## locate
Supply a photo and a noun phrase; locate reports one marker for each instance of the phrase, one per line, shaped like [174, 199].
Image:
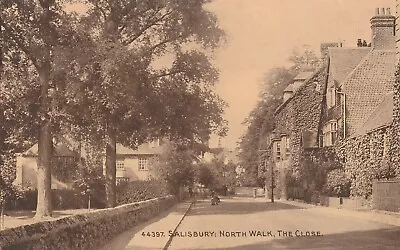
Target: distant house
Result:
[131, 164]
[26, 166]
[134, 164]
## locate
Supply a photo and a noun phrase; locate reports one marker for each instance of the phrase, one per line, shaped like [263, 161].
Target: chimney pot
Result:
[382, 27]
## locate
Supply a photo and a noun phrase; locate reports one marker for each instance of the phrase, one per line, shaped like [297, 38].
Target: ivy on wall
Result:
[395, 128]
[366, 161]
[301, 113]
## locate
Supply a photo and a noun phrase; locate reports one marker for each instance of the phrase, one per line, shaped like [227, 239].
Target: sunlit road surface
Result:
[247, 223]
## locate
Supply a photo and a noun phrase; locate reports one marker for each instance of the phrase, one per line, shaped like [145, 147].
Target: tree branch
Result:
[146, 27]
[170, 73]
[19, 43]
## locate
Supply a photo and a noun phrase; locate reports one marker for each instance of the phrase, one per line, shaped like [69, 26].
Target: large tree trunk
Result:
[111, 166]
[44, 208]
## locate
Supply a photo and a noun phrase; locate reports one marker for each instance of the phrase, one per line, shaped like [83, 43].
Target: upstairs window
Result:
[331, 97]
[142, 164]
[278, 150]
[120, 165]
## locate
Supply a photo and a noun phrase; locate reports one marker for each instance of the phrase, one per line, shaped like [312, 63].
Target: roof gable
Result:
[367, 85]
[311, 79]
[381, 116]
[344, 60]
[59, 150]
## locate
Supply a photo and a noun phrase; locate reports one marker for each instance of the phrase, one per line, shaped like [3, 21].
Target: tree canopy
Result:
[260, 121]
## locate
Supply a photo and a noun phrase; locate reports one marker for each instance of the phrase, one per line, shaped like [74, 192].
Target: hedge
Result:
[134, 191]
[61, 199]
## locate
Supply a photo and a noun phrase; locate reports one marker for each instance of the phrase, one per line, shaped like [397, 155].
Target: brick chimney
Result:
[383, 29]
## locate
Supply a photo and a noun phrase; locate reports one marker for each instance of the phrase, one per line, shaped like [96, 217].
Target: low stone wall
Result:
[248, 191]
[346, 203]
[386, 195]
[83, 231]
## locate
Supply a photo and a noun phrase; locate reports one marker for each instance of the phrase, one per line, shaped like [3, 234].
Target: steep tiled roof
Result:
[382, 116]
[143, 149]
[303, 75]
[59, 150]
[344, 60]
[367, 85]
[321, 70]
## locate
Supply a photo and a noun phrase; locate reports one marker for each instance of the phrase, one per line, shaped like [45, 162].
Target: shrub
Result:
[61, 199]
[337, 183]
[134, 191]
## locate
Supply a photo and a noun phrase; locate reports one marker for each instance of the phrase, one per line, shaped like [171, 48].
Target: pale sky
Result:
[262, 34]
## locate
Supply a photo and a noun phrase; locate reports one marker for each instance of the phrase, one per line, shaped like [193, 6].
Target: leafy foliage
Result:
[174, 165]
[370, 152]
[130, 192]
[395, 128]
[261, 121]
[337, 183]
[217, 174]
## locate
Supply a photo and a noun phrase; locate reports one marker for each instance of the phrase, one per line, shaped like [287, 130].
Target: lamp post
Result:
[272, 175]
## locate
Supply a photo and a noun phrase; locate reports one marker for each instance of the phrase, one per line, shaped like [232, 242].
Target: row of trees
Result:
[94, 76]
[180, 167]
[260, 121]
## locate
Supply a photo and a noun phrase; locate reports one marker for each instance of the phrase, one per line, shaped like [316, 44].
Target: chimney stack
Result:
[382, 27]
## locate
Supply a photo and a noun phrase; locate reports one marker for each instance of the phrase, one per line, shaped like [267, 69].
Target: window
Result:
[142, 164]
[120, 165]
[330, 133]
[331, 97]
[287, 146]
[278, 150]
[321, 141]
[333, 132]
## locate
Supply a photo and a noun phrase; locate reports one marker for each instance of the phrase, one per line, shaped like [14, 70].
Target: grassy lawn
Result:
[19, 218]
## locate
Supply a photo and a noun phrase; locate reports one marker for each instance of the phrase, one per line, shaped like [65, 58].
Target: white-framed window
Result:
[330, 133]
[143, 164]
[120, 165]
[285, 146]
[278, 150]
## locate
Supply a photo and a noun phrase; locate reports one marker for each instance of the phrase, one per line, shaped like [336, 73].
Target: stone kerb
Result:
[83, 231]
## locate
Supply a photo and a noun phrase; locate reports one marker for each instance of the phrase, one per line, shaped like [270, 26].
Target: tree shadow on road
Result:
[122, 240]
[233, 206]
[371, 239]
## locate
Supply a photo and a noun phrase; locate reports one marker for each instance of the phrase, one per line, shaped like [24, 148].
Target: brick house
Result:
[349, 99]
[358, 110]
